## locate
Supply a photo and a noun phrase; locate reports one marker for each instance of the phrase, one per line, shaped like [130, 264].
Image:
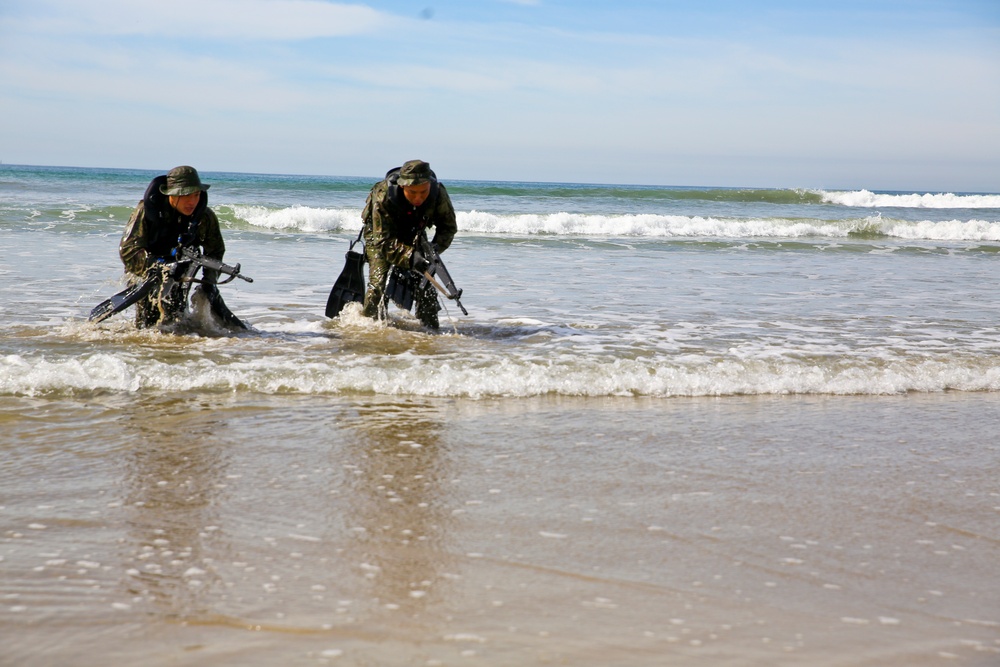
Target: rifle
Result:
[185, 254]
[188, 261]
[437, 267]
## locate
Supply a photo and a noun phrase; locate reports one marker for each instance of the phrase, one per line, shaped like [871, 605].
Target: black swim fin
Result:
[220, 309]
[123, 299]
[350, 285]
[399, 287]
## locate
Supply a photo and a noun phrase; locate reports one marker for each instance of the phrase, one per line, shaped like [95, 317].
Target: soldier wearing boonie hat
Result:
[414, 172]
[183, 181]
[173, 211]
[399, 207]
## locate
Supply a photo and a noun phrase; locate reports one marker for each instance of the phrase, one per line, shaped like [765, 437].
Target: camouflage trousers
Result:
[424, 298]
[158, 308]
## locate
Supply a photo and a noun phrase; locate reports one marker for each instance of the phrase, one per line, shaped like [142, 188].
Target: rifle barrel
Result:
[198, 259]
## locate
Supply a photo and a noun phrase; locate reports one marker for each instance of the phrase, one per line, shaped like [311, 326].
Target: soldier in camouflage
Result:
[174, 211]
[401, 206]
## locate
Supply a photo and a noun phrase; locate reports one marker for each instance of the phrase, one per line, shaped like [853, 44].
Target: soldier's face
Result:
[186, 204]
[417, 194]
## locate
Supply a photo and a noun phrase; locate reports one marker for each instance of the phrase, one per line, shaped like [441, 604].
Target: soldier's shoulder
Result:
[138, 214]
[210, 215]
[380, 188]
[443, 198]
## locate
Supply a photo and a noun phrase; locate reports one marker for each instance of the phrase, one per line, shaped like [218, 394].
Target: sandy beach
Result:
[308, 530]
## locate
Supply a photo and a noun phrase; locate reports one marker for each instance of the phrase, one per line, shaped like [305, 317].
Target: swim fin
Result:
[350, 285]
[220, 309]
[399, 287]
[124, 299]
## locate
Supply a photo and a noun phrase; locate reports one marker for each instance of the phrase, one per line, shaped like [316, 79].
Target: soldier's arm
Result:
[385, 241]
[212, 244]
[132, 248]
[445, 224]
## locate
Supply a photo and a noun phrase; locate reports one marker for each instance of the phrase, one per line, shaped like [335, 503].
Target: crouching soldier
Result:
[399, 208]
[173, 213]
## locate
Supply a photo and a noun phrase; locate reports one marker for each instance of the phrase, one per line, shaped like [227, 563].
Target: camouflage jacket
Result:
[146, 241]
[392, 223]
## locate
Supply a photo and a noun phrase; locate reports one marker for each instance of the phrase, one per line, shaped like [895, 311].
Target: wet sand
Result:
[220, 529]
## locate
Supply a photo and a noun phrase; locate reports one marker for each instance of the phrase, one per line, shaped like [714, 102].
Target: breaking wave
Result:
[320, 220]
[569, 375]
[868, 199]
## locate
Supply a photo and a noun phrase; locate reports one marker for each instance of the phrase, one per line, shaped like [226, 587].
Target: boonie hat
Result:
[183, 181]
[415, 172]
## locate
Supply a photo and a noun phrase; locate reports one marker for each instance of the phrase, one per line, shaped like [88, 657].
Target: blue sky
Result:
[878, 94]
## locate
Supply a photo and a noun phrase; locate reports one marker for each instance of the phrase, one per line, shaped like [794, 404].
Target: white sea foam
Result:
[866, 198]
[570, 375]
[318, 220]
[953, 230]
[303, 218]
[677, 226]
[643, 225]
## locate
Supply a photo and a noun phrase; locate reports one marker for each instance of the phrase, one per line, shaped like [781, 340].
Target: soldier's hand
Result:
[418, 262]
[177, 269]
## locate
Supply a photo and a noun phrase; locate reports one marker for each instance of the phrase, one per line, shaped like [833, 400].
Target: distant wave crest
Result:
[677, 226]
[302, 218]
[318, 220]
[868, 199]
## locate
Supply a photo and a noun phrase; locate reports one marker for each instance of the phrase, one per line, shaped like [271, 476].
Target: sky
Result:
[876, 94]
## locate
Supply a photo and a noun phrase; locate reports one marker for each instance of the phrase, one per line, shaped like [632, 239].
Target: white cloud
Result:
[218, 19]
[275, 83]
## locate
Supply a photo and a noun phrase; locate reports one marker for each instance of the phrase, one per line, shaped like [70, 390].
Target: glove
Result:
[150, 261]
[418, 262]
[177, 269]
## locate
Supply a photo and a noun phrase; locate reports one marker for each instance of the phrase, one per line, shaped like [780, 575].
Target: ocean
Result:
[679, 425]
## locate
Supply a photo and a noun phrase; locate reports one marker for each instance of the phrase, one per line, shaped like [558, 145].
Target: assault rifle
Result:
[187, 262]
[437, 268]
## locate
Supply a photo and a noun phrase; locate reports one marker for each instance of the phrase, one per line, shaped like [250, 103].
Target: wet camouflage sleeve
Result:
[445, 225]
[132, 248]
[382, 239]
[210, 235]
[212, 244]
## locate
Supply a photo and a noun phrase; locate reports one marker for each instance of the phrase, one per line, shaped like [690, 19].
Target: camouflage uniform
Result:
[392, 225]
[154, 230]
